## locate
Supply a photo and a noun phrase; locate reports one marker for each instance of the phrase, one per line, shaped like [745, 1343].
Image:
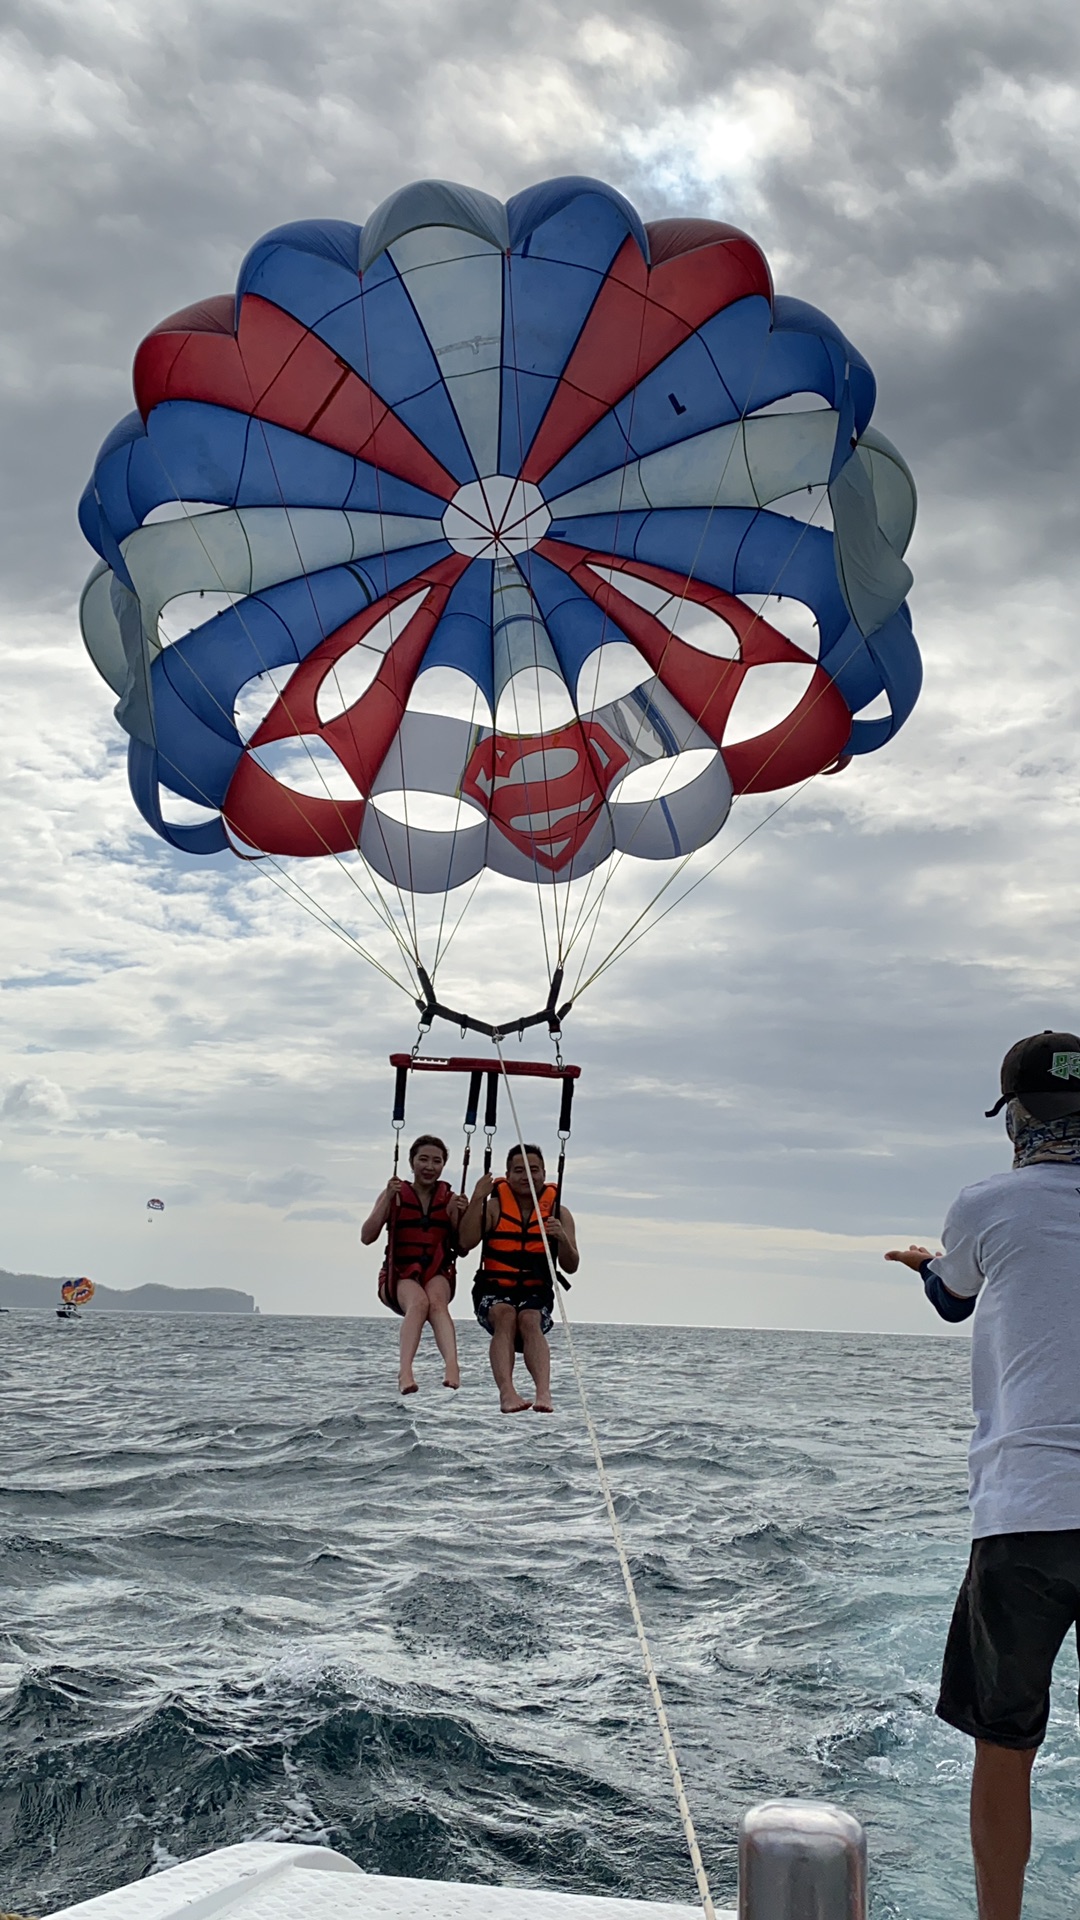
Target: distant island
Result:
[38, 1292]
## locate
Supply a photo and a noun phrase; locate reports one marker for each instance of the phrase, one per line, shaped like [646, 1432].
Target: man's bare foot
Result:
[542, 1406]
[452, 1380]
[513, 1403]
[406, 1383]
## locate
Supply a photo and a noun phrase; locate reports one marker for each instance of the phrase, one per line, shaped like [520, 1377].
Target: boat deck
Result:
[272, 1880]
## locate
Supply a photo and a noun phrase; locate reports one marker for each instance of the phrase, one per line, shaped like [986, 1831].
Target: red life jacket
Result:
[514, 1250]
[421, 1244]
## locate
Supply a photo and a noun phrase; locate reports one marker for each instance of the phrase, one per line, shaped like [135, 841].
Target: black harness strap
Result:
[472, 1106]
[491, 1116]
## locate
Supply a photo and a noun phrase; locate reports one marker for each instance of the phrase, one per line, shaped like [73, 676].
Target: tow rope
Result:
[685, 1816]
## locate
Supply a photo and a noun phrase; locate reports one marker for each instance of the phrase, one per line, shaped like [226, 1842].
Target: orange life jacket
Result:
[513, 1249]
[421, 1244]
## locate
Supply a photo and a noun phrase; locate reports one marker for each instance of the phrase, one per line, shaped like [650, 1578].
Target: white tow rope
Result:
[685, 1815]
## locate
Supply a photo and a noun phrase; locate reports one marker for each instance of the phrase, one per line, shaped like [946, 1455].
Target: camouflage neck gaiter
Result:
[1042, 1142]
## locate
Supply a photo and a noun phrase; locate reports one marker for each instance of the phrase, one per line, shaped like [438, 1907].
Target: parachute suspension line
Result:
[685, 1816]
[595, 908]
[623, 944]
[308, 904]
[445, 945]
[267, 448]
[527, 786]
[192, 520]
[562, 913]
[300, 895]
[630, 938]
[591, 910]
[405, 911]
[604, 619]
[536, 868]
[619, 945]
[616, 863]
[290, 886]
[439, 948]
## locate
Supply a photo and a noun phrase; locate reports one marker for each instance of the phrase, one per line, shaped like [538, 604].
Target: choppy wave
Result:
[251, 1594]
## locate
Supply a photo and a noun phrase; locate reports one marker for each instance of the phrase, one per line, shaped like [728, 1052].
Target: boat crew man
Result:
[419, 1274]
[512, 1292]
[1012, 1244]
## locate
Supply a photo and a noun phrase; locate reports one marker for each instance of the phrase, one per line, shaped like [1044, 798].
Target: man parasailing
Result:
[512, 1292]
[418, 1275]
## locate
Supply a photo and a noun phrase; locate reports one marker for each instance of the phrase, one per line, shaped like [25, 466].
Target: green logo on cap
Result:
[1065, 1066]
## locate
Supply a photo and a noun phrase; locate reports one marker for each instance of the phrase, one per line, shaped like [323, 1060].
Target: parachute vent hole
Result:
[349, 678]
[181, 510]
[705, 631]
[609, 674]
[255, 700]
[687, 619]
[879, 708]
[808, 504]
[305, 764]
[802, 402]
[186, 611]
[180, 812]
[534, 700]
[428, 812]
[663, 777]
[447, 691]
[768, 696]
[790, 617]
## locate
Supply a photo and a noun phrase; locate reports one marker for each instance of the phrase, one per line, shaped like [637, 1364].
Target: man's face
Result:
[517, 1175]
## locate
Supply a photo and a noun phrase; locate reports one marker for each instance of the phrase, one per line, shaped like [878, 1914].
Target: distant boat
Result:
[74, 1294]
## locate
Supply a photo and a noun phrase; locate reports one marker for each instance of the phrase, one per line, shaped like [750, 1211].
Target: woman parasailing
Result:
[418, 1275]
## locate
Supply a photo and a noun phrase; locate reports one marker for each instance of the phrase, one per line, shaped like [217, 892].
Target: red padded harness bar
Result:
[460, 1064]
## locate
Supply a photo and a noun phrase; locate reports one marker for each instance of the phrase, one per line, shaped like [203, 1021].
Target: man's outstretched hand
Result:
[912, 1257]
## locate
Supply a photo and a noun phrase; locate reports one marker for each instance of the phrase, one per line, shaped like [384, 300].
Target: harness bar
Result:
[457, 1063]
[551, 1016]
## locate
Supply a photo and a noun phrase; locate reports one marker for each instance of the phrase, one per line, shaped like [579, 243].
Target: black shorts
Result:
[1020, 1596]
[539, 1300]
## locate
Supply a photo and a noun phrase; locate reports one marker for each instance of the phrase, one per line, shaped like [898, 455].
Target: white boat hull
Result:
[273, 1880]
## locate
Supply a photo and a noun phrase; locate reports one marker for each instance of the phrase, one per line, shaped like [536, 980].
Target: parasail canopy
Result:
[76, 1293]
[155, 1206]
[468, 539]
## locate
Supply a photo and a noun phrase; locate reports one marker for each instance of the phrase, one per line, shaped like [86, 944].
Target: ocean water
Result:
[250, 1593]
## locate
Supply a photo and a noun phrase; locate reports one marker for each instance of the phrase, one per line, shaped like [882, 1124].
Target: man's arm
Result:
[951, 1306]
[562, 1236]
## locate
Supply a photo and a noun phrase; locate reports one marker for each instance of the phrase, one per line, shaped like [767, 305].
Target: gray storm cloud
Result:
[809, 1042]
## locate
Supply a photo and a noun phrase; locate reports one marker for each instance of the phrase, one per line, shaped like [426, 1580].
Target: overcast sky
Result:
[791, 1073]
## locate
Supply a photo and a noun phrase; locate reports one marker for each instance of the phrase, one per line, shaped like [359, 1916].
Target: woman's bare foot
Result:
[542, 1406]
[513, 1403]
[452, 1379]
[407, 1384]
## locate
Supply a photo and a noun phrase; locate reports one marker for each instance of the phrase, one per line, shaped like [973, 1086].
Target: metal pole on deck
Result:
[801, 1860]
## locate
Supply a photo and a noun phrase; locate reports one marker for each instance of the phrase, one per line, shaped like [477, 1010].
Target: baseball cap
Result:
[1044, 1073]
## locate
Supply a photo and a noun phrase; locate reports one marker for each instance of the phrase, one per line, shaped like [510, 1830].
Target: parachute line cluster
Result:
[566, 468]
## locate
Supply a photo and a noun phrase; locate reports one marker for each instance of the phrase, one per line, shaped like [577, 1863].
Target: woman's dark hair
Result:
[427, 1140]
[524, 1152]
